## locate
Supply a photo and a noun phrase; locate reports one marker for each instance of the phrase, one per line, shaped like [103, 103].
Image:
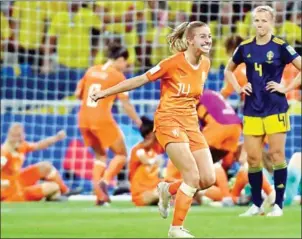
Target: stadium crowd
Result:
[75, 35]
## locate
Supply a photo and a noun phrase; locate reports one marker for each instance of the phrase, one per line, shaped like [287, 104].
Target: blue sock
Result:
[255, 179]
[280, 176]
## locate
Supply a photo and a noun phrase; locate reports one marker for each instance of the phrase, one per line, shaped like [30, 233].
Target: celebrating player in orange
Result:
[265, 108]
[96, 122]
[21, 184]
[176, 123]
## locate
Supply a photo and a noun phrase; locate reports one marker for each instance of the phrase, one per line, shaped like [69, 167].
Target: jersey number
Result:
[183, 89]
[92, 88]
[258, 67]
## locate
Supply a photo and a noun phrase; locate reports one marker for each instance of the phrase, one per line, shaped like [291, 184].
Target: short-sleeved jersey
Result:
[213, 106]
[264, 63]
[14, 160]
[135, 162]
[100, 77]
[181, 85]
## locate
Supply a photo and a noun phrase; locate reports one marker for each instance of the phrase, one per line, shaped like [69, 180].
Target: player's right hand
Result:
[247, 89]
[97, 95]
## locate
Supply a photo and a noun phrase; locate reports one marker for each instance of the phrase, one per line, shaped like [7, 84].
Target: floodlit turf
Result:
[121, 219]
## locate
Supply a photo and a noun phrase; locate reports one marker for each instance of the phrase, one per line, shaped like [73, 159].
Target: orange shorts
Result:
[30, 193]
[102, 137]
[224, 137]
[25, 188]
[29, 176]
[166, 134]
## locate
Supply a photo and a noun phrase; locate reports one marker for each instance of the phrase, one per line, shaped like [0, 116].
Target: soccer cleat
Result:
[253, 211]
[179, 232]
[72, 192]
[164, 199]
[276, 211]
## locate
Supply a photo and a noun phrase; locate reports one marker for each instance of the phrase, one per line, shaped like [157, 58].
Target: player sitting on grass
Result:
[22, 184]
[144, 167]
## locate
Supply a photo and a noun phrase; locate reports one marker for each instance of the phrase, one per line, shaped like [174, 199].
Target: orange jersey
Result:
[289, 73]
[94, 114]
[181, 87]
[11, 170]
[135, 162]
[15, 159]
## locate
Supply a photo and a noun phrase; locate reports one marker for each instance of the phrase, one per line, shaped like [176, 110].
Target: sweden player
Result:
[265, 109]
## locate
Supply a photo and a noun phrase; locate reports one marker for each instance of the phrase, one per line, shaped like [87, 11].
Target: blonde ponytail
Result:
[177, 39]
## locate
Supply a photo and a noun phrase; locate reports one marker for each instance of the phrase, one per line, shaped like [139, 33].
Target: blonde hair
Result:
[265, 8]
[177, 39]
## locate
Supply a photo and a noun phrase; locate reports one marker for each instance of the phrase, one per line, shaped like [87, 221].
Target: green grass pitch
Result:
[121, 219]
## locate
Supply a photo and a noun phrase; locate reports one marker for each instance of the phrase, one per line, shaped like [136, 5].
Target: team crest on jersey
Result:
[175, 132]
[270, 56]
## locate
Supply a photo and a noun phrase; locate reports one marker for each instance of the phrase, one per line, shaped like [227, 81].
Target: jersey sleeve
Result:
[159, 70]
[238, 56]
[80, 87]
[29, 147]
[288, 53]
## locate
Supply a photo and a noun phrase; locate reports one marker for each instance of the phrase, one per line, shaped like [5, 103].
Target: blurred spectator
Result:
[290, 29]
[156, 35]
[119, 18]
[70, 33]
[179, 11]
[5, 33]
[221, 29]
[28, 23]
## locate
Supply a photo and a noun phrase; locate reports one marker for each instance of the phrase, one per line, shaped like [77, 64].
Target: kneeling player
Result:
[220, 126]
[21, 184]
[144, 167]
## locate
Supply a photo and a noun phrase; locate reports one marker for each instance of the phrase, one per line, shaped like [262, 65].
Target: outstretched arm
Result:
[45, 143]
[126, 85]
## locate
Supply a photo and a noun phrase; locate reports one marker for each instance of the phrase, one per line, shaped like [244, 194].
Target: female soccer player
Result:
[176, 123]
[96, 122]
[265, 109]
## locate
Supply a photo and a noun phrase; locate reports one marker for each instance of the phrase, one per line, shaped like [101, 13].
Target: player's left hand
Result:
[273, 86]
[61, 135]
[97, 95]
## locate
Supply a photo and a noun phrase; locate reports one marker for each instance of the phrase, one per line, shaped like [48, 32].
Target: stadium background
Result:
[41, 96]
